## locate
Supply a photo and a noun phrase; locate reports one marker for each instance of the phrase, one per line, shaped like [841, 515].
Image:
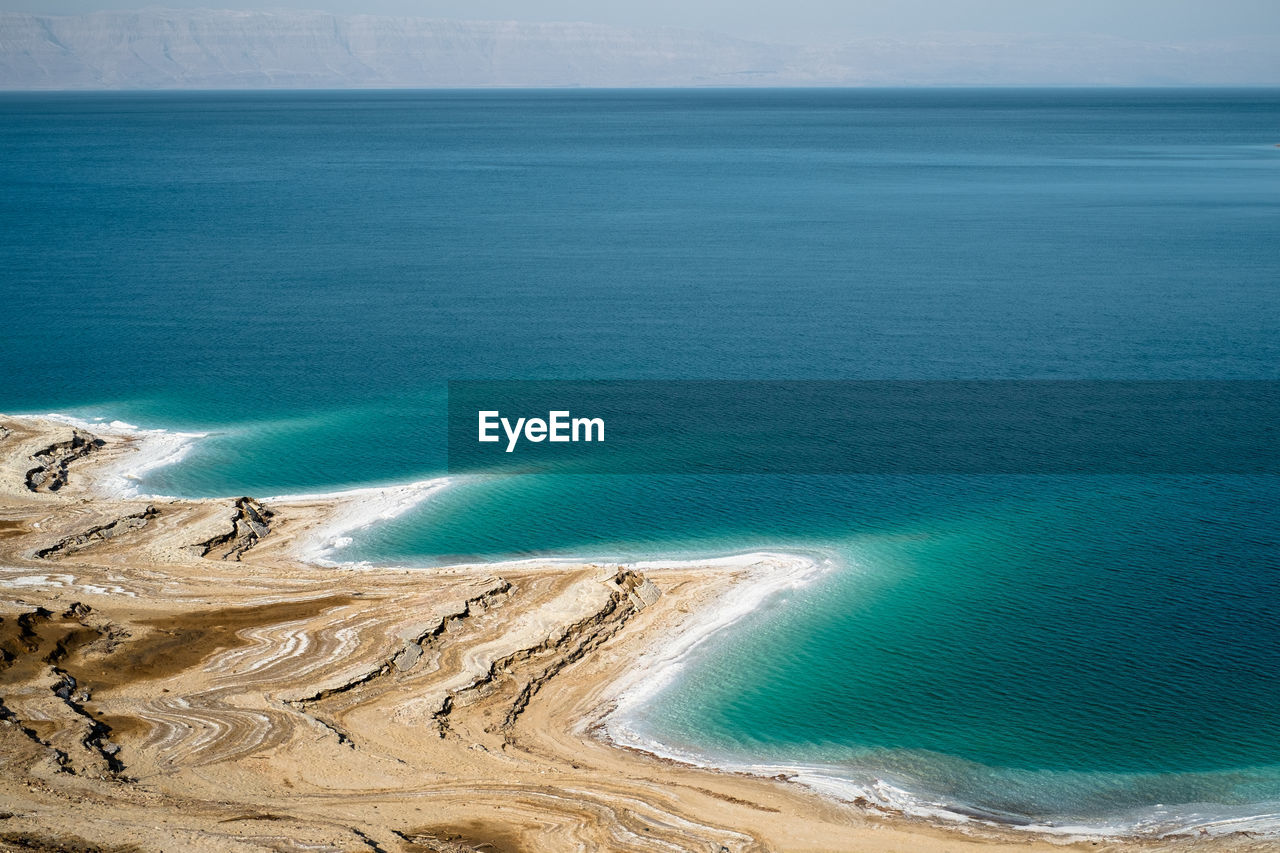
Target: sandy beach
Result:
[188, 675]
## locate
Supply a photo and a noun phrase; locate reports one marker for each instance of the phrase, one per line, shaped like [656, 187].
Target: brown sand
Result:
[155, 699]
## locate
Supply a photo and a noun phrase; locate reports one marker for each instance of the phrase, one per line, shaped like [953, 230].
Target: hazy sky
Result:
[804, 20]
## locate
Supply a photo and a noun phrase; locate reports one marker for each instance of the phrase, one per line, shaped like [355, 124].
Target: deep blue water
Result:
[300, 273]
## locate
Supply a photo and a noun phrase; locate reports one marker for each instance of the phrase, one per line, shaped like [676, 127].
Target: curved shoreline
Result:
[732, 587]
[765, 575]
[156, 448]
[777, 572]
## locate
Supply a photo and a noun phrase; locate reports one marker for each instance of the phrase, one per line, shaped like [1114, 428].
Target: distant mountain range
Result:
[200, 49]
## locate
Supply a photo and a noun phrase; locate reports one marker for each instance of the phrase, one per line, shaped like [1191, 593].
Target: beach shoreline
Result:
[495, 692]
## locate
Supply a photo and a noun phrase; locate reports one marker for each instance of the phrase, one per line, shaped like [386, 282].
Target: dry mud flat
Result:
[173, 678]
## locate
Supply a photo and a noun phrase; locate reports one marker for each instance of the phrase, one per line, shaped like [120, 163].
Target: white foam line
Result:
[768, 574]
[835, 783]
[155, 448]
[357, 509]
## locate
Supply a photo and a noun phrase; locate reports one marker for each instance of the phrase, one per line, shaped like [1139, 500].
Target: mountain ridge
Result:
[224, 49]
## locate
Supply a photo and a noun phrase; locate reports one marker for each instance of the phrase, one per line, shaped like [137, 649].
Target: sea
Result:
[284, 282]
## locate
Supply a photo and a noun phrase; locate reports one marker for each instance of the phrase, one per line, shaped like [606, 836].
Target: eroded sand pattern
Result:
[173, 677]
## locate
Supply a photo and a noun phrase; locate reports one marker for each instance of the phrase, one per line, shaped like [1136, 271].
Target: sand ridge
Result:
[174, 677]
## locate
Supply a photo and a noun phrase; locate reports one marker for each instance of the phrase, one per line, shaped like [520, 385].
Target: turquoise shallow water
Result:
[299, 274]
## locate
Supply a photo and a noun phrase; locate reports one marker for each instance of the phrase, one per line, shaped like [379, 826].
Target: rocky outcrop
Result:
[100, 533]
[251, 522]
[9, 718]
[50, 474]
[558, 652]
[424, 644]
[96, 735]
[39, 636]
[640, 590]
[415, 647]
[527, 670]
[43, 701]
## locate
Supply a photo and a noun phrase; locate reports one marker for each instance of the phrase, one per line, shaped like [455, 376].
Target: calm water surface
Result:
[299, 274]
